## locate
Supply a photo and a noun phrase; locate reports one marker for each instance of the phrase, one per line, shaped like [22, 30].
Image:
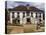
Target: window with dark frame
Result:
[40, 15]
[23, 14]
[12, 14]
[17, 14]
[36, 15]
[31, 14]
[27, 13]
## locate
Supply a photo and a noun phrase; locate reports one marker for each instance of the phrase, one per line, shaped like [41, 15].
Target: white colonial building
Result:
[26, 15]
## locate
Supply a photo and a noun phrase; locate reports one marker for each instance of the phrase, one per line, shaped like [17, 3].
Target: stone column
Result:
[30, 16]
[15, 14]
[21, 16]
[25, 19]
[38, 24]
[30, 13]
[42, 17]
[34, 15]
[11, 17]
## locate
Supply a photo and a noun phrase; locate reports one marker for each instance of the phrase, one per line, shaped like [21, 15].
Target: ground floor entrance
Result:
[28, 21]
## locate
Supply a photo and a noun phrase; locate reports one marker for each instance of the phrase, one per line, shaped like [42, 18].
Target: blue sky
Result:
[12, 4]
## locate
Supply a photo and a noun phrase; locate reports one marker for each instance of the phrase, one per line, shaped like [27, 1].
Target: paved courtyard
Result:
[27, 28]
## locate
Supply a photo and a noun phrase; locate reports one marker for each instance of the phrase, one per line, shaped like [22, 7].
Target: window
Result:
[40, 15]
[31, 14]
[27, 13]
[39, 19]
[36, 15]
[23, 14]
[18, 21]
[12, 14]
[18, 15]
[28, 19]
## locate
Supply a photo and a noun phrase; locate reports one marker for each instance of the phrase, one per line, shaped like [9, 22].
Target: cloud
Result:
[12, 4]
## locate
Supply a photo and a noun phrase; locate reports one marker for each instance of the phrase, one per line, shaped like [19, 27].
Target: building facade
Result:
[26, 15]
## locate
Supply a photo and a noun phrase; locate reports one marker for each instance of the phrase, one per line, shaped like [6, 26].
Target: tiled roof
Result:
[24, 8]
